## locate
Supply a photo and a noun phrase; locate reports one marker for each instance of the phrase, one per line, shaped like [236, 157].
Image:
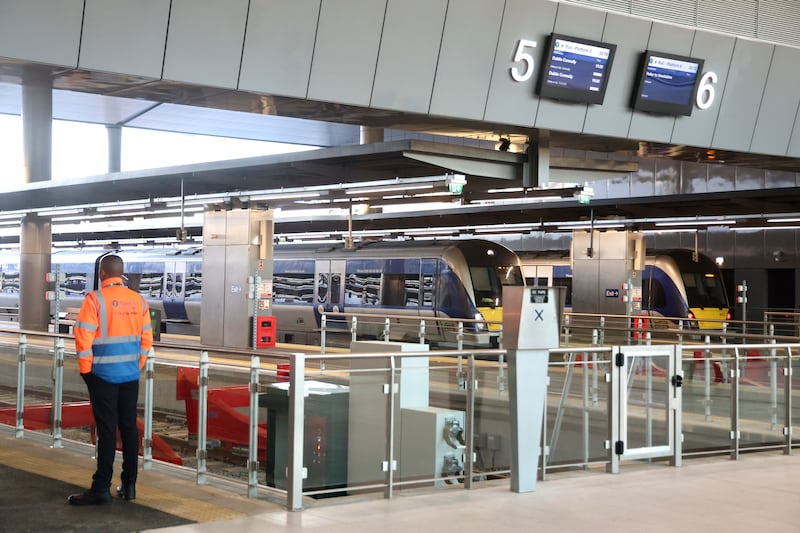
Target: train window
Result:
[401, 290]
[10, 281]
[427, 291]
[169, 286]
[150, 284]
[194, 282]
[336, 287]
[653, 294]
[428, 269]
[178, 283]
[74, 283]
[293, 288]
[488, 281]
[362, 289]
[703, 290]
[134, 281]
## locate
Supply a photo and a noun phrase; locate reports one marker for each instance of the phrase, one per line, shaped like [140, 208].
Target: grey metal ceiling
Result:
[109, 99]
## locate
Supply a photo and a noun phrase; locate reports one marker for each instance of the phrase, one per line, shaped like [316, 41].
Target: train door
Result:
[329, 285]
[174, 290]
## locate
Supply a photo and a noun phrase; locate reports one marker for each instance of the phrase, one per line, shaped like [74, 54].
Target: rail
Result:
[410, 417]
[444, 331]
[577, 329]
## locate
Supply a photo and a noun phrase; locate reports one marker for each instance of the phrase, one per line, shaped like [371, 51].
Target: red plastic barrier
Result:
[79, 414]
[226, 422]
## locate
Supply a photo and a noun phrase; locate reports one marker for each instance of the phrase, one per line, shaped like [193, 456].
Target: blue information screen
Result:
[669, 80]
[578, 66]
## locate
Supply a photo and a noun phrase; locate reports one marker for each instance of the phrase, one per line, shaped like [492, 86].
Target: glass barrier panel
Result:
[174, 411]
[492, 432]
[649, 391]
[706, 399]
[9, 364]
[76, 413]
[77, 420]
[227, 426]
[577, 409]
[795, 384]
[325, 427]
[430, 423]
[346, 425]
[761, 399]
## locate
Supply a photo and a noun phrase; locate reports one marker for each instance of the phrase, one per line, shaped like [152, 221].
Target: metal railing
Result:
[370, 411]
[258, 384]
[455, 332]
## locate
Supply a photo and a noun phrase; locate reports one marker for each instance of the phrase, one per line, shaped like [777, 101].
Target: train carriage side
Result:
[9, 282]
[417, 279]
[401, 279]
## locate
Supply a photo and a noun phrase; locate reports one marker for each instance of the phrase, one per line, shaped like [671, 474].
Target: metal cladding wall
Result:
[450, 59]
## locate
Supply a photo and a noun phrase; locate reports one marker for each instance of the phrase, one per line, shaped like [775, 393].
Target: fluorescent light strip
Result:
[589, 226]
[508, 190]
[766, 228]
[525, 200]
[697, 223]
[122, 207]
[389, 188]
[782, 220]
[59, 212]
[286, 196]
[668, 230]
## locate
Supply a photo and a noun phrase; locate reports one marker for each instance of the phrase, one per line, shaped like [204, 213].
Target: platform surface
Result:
[757, 493]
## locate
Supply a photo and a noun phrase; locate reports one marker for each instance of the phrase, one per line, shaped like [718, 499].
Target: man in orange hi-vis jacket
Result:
[113, 337]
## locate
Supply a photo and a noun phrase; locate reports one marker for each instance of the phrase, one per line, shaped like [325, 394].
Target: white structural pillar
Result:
[114, 147]
[531, 327]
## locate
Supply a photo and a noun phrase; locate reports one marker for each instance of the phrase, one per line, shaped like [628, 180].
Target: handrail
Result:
[735, 392]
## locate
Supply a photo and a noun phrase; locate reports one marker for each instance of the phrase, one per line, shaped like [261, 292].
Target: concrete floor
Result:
[757, 493]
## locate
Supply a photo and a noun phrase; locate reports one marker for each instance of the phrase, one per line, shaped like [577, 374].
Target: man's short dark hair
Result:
[112, 265]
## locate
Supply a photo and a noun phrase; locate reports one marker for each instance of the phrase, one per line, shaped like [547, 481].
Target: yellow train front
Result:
[685, 284]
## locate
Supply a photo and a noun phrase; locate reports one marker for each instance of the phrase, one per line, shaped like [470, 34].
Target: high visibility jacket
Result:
[113, 334]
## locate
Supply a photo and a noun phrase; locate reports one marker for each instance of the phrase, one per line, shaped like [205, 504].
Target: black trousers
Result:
[114, 406]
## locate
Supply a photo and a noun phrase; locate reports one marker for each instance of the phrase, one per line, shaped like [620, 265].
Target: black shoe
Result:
[127, 491]
[90, 497]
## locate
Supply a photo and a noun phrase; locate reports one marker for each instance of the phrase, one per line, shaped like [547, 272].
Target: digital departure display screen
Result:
[667, 83]
[575, 69]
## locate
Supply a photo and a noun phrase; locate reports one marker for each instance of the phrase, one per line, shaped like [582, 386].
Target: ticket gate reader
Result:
[531, 326]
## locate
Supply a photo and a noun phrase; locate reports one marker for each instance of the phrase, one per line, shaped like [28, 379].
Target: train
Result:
[458, 279]
[676, 283]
